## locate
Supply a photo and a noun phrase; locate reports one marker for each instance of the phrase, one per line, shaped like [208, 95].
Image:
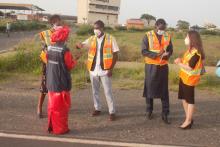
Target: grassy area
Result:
[127, 75]
[22, 25]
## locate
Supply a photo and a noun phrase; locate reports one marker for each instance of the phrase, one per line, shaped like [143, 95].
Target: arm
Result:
[191, 65]
[115, 59]
[115, 49]
[82, 45]
[145, 49]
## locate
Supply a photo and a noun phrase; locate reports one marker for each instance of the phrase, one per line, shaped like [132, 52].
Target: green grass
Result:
[127, 78]
[127, 75]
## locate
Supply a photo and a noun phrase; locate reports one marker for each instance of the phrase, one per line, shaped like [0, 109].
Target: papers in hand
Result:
[164, 55]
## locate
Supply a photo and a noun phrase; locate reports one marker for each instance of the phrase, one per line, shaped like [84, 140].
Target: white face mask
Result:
[187, 41]
[97, 32]
[56, 27]
[160, 32]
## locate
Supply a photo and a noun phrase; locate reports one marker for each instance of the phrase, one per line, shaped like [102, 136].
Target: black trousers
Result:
[165, 105]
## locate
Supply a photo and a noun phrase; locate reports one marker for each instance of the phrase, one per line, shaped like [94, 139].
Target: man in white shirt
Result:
[102, 57]
[8, 28]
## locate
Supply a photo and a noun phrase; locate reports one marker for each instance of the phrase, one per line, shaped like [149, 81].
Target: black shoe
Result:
[165, 119]
[96, 113]
[189, 126]
[149, 116]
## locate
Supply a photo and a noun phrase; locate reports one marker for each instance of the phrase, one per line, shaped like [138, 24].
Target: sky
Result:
[193, 11]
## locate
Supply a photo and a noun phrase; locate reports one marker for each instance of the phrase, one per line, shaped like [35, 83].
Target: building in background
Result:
[21, 11]
[135, 24]
[148, 24]
[139, 24]
[89, 11]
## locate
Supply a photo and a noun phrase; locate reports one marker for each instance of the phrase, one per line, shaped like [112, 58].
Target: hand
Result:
[165, 54]
[109, 73]
[160, 53]
[78, 55]
[177, 61]
[79, 46]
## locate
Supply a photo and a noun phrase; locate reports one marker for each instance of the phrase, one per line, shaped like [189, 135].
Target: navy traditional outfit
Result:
[156, 69]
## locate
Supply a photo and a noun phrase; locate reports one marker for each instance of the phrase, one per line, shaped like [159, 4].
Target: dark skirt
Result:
[43, 87]
[186, 92]
[156, 81]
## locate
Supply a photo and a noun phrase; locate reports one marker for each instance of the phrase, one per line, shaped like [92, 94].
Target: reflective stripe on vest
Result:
[45, 37]
[191, 77]
[107, 52]
[156, 47]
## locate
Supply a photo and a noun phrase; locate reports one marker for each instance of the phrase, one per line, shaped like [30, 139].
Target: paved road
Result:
[14, 39]
[18, 140]
[8, 142]
[18, 116]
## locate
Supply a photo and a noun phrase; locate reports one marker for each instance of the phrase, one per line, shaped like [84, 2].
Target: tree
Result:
[183, 25]
[210, 26]
[148, 18]
[1, 13]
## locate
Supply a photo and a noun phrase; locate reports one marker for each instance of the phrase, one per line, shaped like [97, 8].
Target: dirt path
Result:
[18, 115]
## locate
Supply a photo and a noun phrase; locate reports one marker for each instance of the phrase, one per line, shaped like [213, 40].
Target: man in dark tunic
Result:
[157, 49]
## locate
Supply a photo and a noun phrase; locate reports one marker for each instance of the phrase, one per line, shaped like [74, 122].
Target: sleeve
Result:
[69, 61]
[193, 61]
[86, 42]
[145, 49]
[115, 47]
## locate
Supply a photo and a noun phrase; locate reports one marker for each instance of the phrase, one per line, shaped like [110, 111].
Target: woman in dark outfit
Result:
[191, 66]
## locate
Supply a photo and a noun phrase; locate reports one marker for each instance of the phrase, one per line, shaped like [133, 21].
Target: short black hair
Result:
[55, 18]
[100, 24]
[160, 22]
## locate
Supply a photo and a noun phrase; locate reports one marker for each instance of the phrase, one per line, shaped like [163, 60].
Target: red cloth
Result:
[58, 109]
[61, 34]
[69, 61]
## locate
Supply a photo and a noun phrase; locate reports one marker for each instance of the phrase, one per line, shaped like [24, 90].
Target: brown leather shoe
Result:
[112, 117]
[96, 113]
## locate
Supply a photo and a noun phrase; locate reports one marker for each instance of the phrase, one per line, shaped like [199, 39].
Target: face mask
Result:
[187, 41]
[56, 27]
[160, 32]
[97, 32]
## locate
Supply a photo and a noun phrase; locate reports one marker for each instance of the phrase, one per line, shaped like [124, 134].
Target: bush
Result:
[23, 26]
[2, 28]
[179, 35]
[27, 26]
[84, 30]
[25, 59]
[121, 28]
[109, 29]
[209, 32]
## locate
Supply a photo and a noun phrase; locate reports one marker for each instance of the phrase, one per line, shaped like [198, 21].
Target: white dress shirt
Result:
[98, 71]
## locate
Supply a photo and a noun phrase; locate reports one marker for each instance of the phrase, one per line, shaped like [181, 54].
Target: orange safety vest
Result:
[107, 52]
[45, 37]
[191, 77]
[156, 47]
